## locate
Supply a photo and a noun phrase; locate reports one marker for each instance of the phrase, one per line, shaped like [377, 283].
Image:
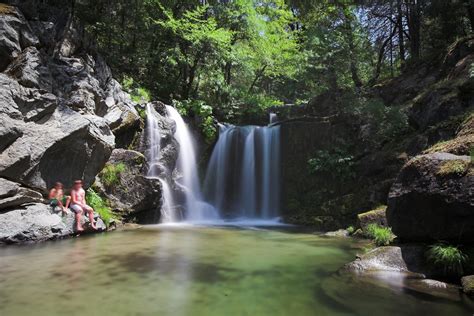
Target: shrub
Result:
[449, 257]
[99, 205]
[338, 163]
[110, 175]
[382, 236]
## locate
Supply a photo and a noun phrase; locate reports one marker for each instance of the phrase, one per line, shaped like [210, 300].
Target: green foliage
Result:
[137, 94]
[110, 175]
[471, 71]
[242, 56]
[203, 112]
[471, 152]
[338, 163]
[350, 230]
[449, 257]
[99, 205]
[382, 236]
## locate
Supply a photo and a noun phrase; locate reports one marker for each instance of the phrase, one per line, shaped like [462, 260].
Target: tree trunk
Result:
[401, 40]
[414, 23]
[352, 53]
[470, 12]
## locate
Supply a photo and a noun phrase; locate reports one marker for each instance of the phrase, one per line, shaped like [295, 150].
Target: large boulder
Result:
[433, 199]
[128, 191]
[37, 222]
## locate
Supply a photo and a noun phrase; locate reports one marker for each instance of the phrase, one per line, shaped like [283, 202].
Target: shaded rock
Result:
[36, 222]
[30, 70]
[376, 216]
[132, 193]
[433, 199]
[20, 197]
[468, 284]
[8, 188]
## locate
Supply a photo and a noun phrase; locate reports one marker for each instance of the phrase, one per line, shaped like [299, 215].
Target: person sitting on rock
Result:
[57, 197]
[79, 206]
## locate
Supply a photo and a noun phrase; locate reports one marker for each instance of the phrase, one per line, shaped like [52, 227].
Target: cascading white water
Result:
[156, 169]
[196, 208]
[243, 175]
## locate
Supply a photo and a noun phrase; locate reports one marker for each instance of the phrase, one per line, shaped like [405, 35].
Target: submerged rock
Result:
[433, 199]
[337, 233]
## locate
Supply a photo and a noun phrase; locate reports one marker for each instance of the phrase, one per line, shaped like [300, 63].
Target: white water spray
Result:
[243, 176]
[156, 169]
[195, 207]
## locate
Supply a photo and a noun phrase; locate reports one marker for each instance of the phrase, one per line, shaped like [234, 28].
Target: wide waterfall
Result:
[243, 175]
[242, 178]
[196, 209]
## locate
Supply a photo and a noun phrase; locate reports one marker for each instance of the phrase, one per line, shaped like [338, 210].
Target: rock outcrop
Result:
[433, 199]
[37, 222]
[62, 113]
[132, 195]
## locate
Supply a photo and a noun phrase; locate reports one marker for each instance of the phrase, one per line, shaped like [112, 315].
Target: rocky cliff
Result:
[342, 153]
[62, 114]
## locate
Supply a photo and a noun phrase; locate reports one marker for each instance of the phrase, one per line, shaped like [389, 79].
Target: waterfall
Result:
[156, 169]
[195, 207]
[243, 175]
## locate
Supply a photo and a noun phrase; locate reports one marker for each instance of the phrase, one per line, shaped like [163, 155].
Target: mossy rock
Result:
[468, 284]
[453, 168]
[375, 216]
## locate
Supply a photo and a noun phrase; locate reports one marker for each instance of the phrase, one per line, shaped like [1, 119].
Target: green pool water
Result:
[162, 270]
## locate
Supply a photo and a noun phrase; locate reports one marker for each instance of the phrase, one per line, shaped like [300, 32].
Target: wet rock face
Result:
[133, 195]
[433, 199]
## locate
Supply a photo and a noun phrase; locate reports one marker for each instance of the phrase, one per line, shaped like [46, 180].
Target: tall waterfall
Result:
[243, 175]
[156, 169]
[195, 207]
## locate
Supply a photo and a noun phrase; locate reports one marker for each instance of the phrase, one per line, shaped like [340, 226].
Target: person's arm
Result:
[52, 194]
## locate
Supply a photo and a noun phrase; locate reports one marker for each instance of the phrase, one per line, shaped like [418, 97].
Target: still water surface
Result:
[187, 270]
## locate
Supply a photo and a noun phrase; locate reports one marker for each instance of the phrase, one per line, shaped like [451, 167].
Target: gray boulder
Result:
[36, 222]
[12, 195]
[64, 147]
[433, 199]
[133, 194]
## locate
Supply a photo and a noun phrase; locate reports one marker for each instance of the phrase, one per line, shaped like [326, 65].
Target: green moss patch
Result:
[110, 175]
[453, 167]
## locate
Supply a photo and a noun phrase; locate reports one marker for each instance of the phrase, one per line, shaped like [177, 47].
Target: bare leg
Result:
[79, 227]
[68, 201]
[90, 210]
